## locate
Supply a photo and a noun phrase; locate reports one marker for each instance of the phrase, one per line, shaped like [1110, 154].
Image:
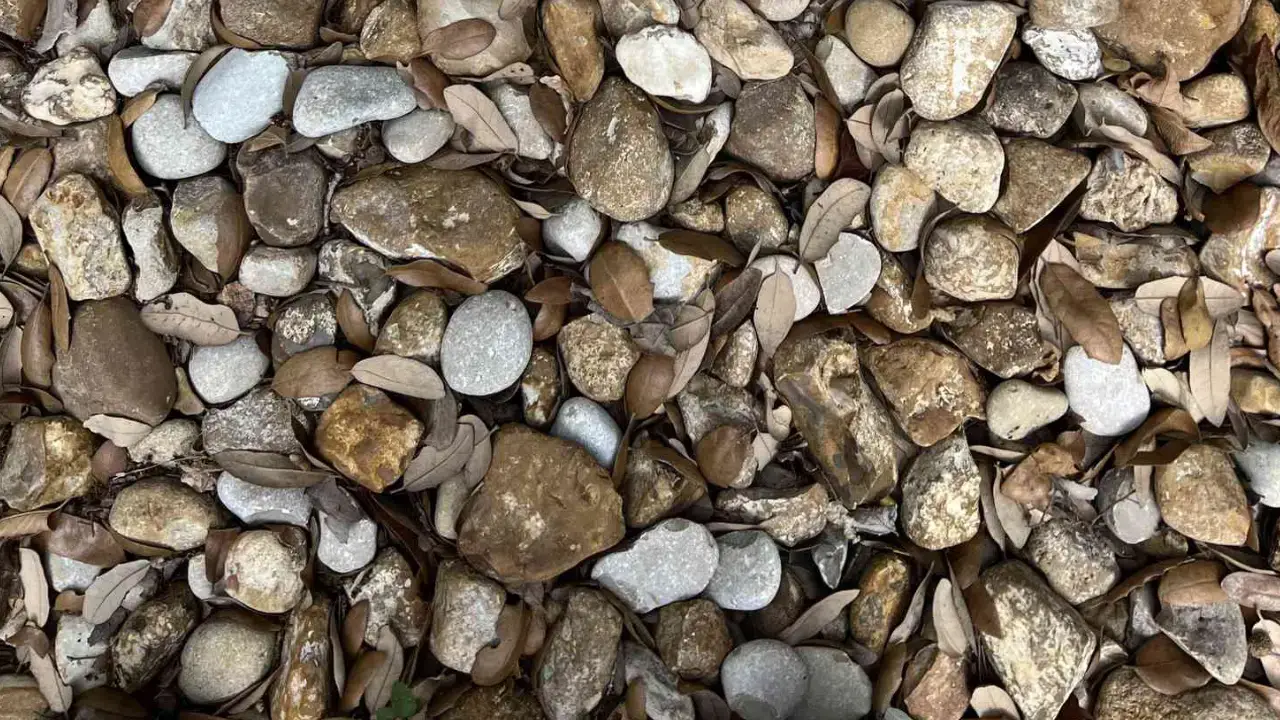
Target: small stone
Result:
[260, 505]
[286, 23]
[390, 32]
[673, 560]
[415, 328]
[545, 506]
[675, 277]
[264, 572]
[884, 593]
[261, 420]
[222, 373]
[46, 462]
[78, 231]
[516, 108]
[740, 40]
[753, 216]
[284, 194]
[68, 574]
[1122, 262]
[962, 160]
[569, 27]
[764, 680]
[618, 157]
[879, 31]
[20, 19]
[1074, 557]
[417, 136]
[748, 573]
[786, 607]
[953, 55]
[837, 690]
[1178, 39]
[573, 230]
[82, 148]
[1039, 177]
[1214, 99]
[930, 387]
[1128, 508]
[1070, 54]
[194, 218]
[277, 272]
[622, 17]
[1102, 103]
[1239, 151]
[1260, 463]
[973, 258]
[309, 321]
[337, 97]
[790, 516]
[540, 388]
[90, 378]
[589, 425]
[778, 10]
[667, 61]
[487, 344]
[187, 26]
[658, 485]
[901, 203]
[773, 127]
[804, 281]
[346, 547]
[206, 677]
[1064, 14]
[167, 442]
[347, 431]
[163, 512]
[302, 690]
[848, 272]
[392, 591]
[152, 637]
[662, 697]
[466, 606]
[579, 656]
[1000, 337]
[1045, 646]
[170, 148]
[1016, 408]
[597, 357]
[1126, 696]
[940, 496]
[239, 95]
[1213, 634]
[1234, 257]
[736, 362]
[706, 404]
[1029, 100]
[134, 69]
[78, 654]
[1111, 400]
[508, 46]
[69, 89]
[149, 242]
[693, 638]
[849, 76]
[1200, 496]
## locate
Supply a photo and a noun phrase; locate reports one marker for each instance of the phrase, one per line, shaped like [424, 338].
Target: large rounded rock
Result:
[1201, 497]
[577, 662]
[665, 60]
[773, 129]
[1126, 696]
[208, 675]
[78, 231]
[487, 344]
[222, 373]
[673, 560]
[46, 462]
[1178, 38]
[741, 41]
[164, 512]
[337, 97]
[900, 205]
[879, 31]
[69, 89]
[953, 55]
[240, 94]
[618, 156]
[1074, 557]
[1111, 399]
[284, 194]
[115, 365]
[367, 437]
[973, 258]
[748, 572]
[459, 216]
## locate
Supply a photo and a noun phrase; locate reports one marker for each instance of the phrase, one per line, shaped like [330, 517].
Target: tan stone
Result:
[264, 570]
[973, 258]
[742, 41]
[415, 328]
[954, 54]
[693, 638]
[658, 484]
[1239, 151]
[1200, 496]
[285, 23]
[931, 388]
[1125, 696]
[890, 300]
[618, 156]
[367, 437]
[46, 462]
[390, 32]
[773, 129]
[790, 515]
[597, 356]
[1038, 177]
[1001, 338]
[1182, 37]
[878, 31]
[753, 216]
[1128, 193]
[498, 702]
[1236, 258]
[20, 18]
[570, 28]
[1215, 99]
[1255, 391]
[302, 690]
[900, 205]
[884, 592]
[1118, 262]
[393, 592]
[934, 687]
[162, 511]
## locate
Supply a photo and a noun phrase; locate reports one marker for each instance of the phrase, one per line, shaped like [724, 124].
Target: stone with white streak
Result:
[1069, 54]
[70, 89]
[465, 614]
[954, 54]
[153, 253]
[667, 61]
[940, 495]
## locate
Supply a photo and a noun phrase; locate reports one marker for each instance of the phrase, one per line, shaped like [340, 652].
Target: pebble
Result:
[706, 404]
[259, 505]
[662, 697]
[239, 95]
[748, 573]
[779, 10]
[1038, 177]
[358, 413]
[673, 560]
[1111, 400]
[1070, 54]
[773, 128]
[1142, 331]
[1028, 100]
[193, 216]
[160, 511]
[764, 680]
[46, 462]
[222, 373]
[1215, 99]
[540, 388]
[267, 570]
[940, 495]
[1124, 695]
[79, 655]
[1076, 559]
[900, 205]
[1000, 337]
[465, 607]
[1233, 256]
[337, 97]
[590, 425]
[850, 77]
[625, 186]
[197, 579]
[1108, 261]
[167, 442]
[837, 690]
[1128, 193]
[391, 588]
[261, 420]
[78, 231]
[973, 258]
[517, 109]
[187, 26]
[884, 592]
[1181, 37]
[170, 148]
[790, 516]
[579, 655]
[879, 31]
[1016, 408]
[1239, 151]
[848, 272]
[570, 27]
[417, 136]
[962, 160]
[753, 216]
[1102, 103]
[284, 194]
[953, 56]
[653, 490]
[736, 362]
[415, 328]
[1260, 463]
[667, 61]
[346, 547]
[931, 388]
[69, 574]
[206, 677]
[675, 277]
[804, 281]
[303, 687]
[1128, 508]
[288, 23]
[152, 637]
[572, 230]
[390, 32]
[487, 344]
[147, 235]
[693, 638]
[1200, 496]
[742, 41]
[69, 89]
[277, 272]
[622, 17]
[597, 357]
[1213, 634]
[134, 69]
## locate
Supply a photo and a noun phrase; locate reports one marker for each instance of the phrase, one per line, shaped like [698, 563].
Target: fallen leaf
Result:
[314, 373]
[495, 663]
[476, 113]
[354, 625]
[56, 692]
[1233, 211]
[59, 19]
[1210, 375]
[1220, 298]
[1253, 590]
[400, 375]
[914, 615]
[35, 588]
[23, 524]
[59, 311]
[833, 211]
[84, 540]
[431, 274]
[432, 466]
[1193, 583]
[137, 105]
[947, 623]
[1193, 311]
[775, 312]
[1174, 424]
[378, 691]
[269, 469]
[185, 316]
[826, 147]
[459, 40]
[37, 347]
[648, 383]
[548, 110]
[351, 320]
[358, 678]
[10, 232]
[1085, 313]
[1175, 346]
[701, 245]
[107, 591]
[818, 615]
[1012, 516]
[556, 290]
[27, 178]
[1165, 668]
[735, 301]
[620, 282]
[1181, 141]
[119, 166]
[149, 16]
[992, 701]
[121, 431]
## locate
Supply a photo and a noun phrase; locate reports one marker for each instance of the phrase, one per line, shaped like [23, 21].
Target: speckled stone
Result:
[78, 654]
[1016, 408]
[748, 573]
[953, 55]
[582, 421]
[465, 612]
[1110, 399]
[789, 516]
[1028, 100]
[337, 97]
[900, 205]
[168, 148]
[305, 681]
[850, 77]
[940, 495]
[277, 271]
[1075, 558]
[206, 677]
[973, 258]
[764, 680]
[69, 89]
[152, 636]
[848, 272]
[197, 205]
[221, 373]
[257, 504]
[487, 343]
[47, 461]
[1200, 496]
[261, 420]
[346, 547]
[1143, 332]
[1260, 463]
[879, 31]
[394, 601]
[753, 216]
[1038, 177]
[344, 436]
[1126, 696]
[154, 256]
[572, 231]
[662, 697]
[1129, 510]
[579, 656]
[1128, 193]
[1215, 99]
[597, 357]
[1121, 262]
[1070, 54]
[1213, 634]
[773, 129]
[187, 26]
[693, 638]
[417, 136]
[706, 404]
[79, 233]
[264, 571]
[162, 511]
[415, 328]
[240, 94]
[69, 574]
[962, 160]
[675, 277]
[884, 593]
[1239, 151]
[837, 690]
[136, 68]
[673, 560]
[742, 41]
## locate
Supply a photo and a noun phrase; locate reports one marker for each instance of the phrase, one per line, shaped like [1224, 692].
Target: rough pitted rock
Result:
[962, 160]
[752, 216]
[1239, 151]
[1075, 558]
[1213, 634]
[391, 588]
[1200, 496]
[1069, 54]
[1128, 193]
[1000, 337]
[465, 614]
[545, 506]
[1065, 14]
[206, 676]
[581, 649]
[900, 205]
[152, 636]
[740, 40]
[790, 516]
[508, 46]
[953, 55]
[597, 357]
[187, 26]
[415, 328]
[337, 97]
[931, 388]
[286, 23]
[367, 436]
[663, 699]
[618, 156]
[78, 231]
[390, 33]
[773, 129]
[69, 89]
[764, 680]
[1120, 262]
[693, 638]
[673, 560]
[940, 495]
[1125, 696]
[1028, 100]
[201, 209]
[263, 571]
[1038, 177]
[1179, 37]
[149, 241]
[1234, 257]
[46, 462]
[302, 690]
[973, 258]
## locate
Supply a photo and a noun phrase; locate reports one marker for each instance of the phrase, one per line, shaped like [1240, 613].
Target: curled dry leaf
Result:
[57, 693]
[817, 616]
[431, 274]
[722, 453]
[620, 282]
[1193, 583]
[83, 540]
[775, 311]
[1081, 308]
[1175, 134]
[352, 322]
[27, 178]
[149, 16]
[123, 176]
[1210, 374]
[269, 469]
[24, 524]
[60, 312]
[946, 621]
[401, 375]
[647, 384]
[495, 663]
[10, 232]
[475, 112]
[833, 211]
[37, 347]
[826, 149]
[1233, 211]
[428, 82]
[552, 291]
[992, 701]
[358, 678]
[137, 105]
[735, 301]
[1220, 298]
[1165, 668]
[378, 691]
[459, 40]
[107, 591]
[701, 245]
[1253, 590]
[354, 625]
[35, 588]
[185, 316]
[121, 431]
[432, 466]
[548, 110]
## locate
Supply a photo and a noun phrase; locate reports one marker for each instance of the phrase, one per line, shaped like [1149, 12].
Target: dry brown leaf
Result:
[992, 701]
[400, 375]
[121, 431]
[1193, 312]
[476, 113]
[1210, 375]
[1174, 424]
[359, 677]
[1143, 148]
[135, 106]
[1253, 590]
[185, 316]
[1220, 298]
[37, 347]
[735, 300]
[620, 282]
[27, 178]
[722, 454]
[35, 588]
[107, 591]
[270, 469]
[952, 639]
[314, 373]
[24, 524]
[833, 211]
[1233, 211]
[431, 274]
[1181, 141]
[818, 615]
[1085, 313]
[432, 466]
[775, 312]
[119, 166]
[1165, 668]
[353, 323]
[552, 291]
[1175, 346]
[10, 232]
[1193, 583]
[354, 626]
[199, 67]
[548, 321]
[495, 663]
[701, 245]
[149, 16]
[1031, 481]
[548, 110]
[647, 384]
[377, 693]
[82, 540]
[460, 40]
[60, 311]
[826, 148]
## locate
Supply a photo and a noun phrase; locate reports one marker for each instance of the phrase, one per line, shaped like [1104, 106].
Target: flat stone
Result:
[149, 242]
[618, 156]
[790, 516]
[459, 216]
[1016, 408]
[346, 547]
[1111, 400]
[753, 216]
[940, 495]
[337, 97]
[1121, 262]
[740, 40]
[79, 655]
[169, 148]
[1125, 696]
[848, 272]
[261, 420]
[879, 31]
[69, 89]
[1156, 36]
[764, 680]
[675, 277]
[586, 423]
[277, 272]
[961, 160]
[68, 574]
[1070, 54]
[198, 204]
[930, 387]
[1260, 463]
[1045, 646]
[773, 128]
[1235, 257]
[1027, 99]
[222, 373]
[884, 593]
[136, 68]
[206, 677]
[417, 136]
[1215, 99]
[1039, 177]
[1075, 558]
[347, 431]
[1000, 337]
[1128, 508]
[508, 46]
[973, 258]
[487, 344]
[579, 656]
[187, 26]
[804, 281]
[838, 689]
[390, 32]
[1213, 634]
[572, 231]
[850, 77]
[673, 560]
[545, 505]
[78, 231]
[163, 512]
[900, 205]
[693, 638]
[239, 95]
[667, 61]
[152, 637]
[953, 56]
[1102, 103]
[284, 194]
[662, 697]
[287, 23]
[465, 612]
[1239, 151]
[597, 357]
[264, 572]
[167, 442]
[1200, 496]
[306, 666]
[258, 505]
[46, 462]
[392, 591]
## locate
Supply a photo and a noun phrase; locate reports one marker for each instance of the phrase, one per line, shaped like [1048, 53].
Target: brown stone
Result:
[576, 665]
[890, 300]
[773, 129]
[545, 506]
[900, 202]
[20, 18]
[1200, 496]
[1217, 98]
[1125, 696]
[570, 27]
[415, 328]
[1236, 257]
[597, 357]
[1180, 38]
[785, 608]
[790, 516]
[658, 484]
[931, 388]
[1118, 262]
[693, 638]
[152, 636]
[1255, 392]
[284, 23]
[1239, 152]
[540, 388]
[284, 194]
[390, 33]
[884, 592]
[753, 216]
[46, 462]
[934, 687]
[115, 365]
[973, 258]
[1038, 177]
[1002, 338]
[301, 692]
[367, 437]
[498, 702]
